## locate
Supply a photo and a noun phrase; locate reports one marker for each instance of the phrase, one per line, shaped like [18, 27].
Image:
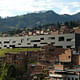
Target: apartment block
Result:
[70, 40]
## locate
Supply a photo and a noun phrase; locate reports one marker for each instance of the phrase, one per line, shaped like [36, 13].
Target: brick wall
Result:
[66, 56]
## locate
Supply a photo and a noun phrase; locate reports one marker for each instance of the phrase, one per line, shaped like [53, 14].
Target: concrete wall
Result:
[63, 40]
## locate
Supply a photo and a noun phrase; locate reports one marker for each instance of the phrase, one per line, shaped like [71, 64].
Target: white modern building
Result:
[71, 40]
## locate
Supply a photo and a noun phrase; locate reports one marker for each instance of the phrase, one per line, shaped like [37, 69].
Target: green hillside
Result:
[2, 51]
[35, 19]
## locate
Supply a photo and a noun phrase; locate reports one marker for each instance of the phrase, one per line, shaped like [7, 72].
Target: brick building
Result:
[15, 58]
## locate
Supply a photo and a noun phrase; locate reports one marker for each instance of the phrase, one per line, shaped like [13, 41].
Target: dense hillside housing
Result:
[70, 40]
[49, 63]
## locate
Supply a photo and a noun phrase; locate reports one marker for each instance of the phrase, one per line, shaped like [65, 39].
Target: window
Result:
[35, 40]
[76, 78]
[69, 39]
[28, 38]
[51, 37]
[14, 41]
[61, 38]
[35, 45]
[22, 40]
[5, 45]
[68, 78]
[19, 43]
[59, 46]
[52, 42]
[69, 46]
[42, 38]
[28, 43]
[13, 46]
[6, 41]
[72, 78]
[69, 56]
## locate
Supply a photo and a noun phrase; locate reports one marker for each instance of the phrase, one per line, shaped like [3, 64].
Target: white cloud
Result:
[5, 13]
[65, 10]
[75, 4]
[18, 7]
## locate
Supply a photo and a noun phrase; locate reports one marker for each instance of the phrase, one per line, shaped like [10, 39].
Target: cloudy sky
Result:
[19, 7]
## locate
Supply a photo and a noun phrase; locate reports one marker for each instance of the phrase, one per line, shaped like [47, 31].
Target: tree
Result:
[4, 70]
[11, 71]
[6, 73]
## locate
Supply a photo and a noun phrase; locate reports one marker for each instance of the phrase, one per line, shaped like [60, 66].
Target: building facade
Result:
[59, 40]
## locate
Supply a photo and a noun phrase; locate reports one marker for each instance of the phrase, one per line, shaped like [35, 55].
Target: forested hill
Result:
[35, 19]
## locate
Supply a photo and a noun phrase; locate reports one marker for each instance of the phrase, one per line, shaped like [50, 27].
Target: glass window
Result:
[69, 39]
[76, 78]
[61, 38]
[72, 78]
[68, 78]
